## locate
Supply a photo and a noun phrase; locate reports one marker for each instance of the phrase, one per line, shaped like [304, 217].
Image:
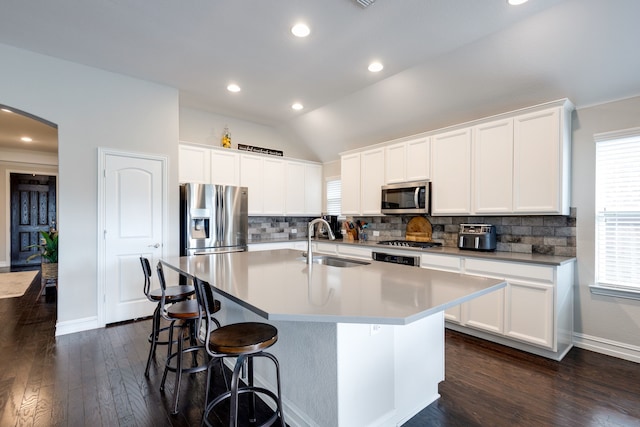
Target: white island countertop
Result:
[278, 285]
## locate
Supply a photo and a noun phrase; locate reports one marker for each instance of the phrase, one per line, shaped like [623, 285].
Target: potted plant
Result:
[48, 251]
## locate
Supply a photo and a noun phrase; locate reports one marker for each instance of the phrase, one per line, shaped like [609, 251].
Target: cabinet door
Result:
[274, 186]
[372, 171]
[194, 164]
[451, 173]
[418, 159]
[493, 167]
[445, 263]
[313, 189]
[350, 176]
[395, 163]
[538, 162]
[530, 313]
[295, 189]
[486, 312]
[251, 177]
[225, 167]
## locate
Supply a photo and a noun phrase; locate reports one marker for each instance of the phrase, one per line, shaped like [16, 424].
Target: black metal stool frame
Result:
[156, 330]
[204, 294]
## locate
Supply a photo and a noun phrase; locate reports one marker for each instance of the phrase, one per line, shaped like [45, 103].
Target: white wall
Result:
[598, 319]
[206, 128]
[92, 108]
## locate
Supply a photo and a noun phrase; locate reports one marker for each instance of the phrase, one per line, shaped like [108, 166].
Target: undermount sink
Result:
[335, 261]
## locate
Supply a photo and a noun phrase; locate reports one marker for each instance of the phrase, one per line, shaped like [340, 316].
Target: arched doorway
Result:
[28, 185]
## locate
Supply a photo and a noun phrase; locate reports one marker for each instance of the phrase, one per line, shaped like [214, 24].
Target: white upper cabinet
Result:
[251, 174]
[407, 161]
[225, 167]
[541, 162]
[274, 186]
[451, 173]
[493, 167]
[194, 164]
[350, 176]
[303, 189]
[372, 173]
[313, 189]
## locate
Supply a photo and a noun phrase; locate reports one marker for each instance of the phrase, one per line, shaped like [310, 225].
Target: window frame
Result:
[598, 288]
[326, 194]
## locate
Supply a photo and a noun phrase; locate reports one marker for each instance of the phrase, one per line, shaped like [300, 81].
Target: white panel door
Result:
[350, 175]
[418, 159]
[251, 177]
[194, 164]
[134, 209]
[313, 189]
[372, 171]
[274, 186]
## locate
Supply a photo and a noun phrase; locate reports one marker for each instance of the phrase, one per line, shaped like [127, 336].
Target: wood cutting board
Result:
[419, 229]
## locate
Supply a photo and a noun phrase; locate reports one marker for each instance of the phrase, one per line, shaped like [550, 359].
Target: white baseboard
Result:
[5, 264]
[608, 347]
[78, 325]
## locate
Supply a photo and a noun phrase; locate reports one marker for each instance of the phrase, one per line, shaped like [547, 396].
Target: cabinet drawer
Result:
[439, 262]
[509, 269]
[354, 252]
[326, 248]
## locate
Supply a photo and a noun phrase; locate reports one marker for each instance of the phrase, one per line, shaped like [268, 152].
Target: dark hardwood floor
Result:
[96, 378]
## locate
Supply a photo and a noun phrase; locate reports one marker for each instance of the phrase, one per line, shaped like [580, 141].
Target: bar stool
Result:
[245, 341]
[172, 294]
[188, 315]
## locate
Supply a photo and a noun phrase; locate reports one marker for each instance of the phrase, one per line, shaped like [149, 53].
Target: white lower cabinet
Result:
[534, 312]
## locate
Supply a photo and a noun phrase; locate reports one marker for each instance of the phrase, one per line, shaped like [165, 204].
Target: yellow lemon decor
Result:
[226, 138]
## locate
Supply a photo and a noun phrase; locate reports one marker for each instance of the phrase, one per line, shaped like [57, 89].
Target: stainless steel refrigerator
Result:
[213, 219]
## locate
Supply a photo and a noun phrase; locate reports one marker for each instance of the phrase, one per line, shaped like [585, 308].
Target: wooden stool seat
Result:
[246, 337]
[173, 293]
[186, 310]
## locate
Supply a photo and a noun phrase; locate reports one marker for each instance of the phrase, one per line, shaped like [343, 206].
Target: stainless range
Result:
[409, 244]
[402, 259]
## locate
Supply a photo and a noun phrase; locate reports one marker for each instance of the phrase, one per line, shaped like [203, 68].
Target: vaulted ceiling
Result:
[445, 61]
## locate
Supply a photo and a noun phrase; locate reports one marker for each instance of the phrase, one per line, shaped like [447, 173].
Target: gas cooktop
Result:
[409, 244]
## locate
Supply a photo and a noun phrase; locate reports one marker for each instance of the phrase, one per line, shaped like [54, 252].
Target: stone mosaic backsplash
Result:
[277, 227]
[542, 234]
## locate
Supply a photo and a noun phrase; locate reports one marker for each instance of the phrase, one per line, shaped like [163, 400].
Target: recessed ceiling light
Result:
[233, 88]
[516, 2]
[6, 110]
[26, 139]
[300, 30]
[297, 106]
[375, 67]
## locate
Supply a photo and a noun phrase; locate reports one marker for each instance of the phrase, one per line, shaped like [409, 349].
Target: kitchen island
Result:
[358, 346]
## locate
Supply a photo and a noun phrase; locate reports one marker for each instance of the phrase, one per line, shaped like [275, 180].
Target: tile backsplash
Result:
[538, 234]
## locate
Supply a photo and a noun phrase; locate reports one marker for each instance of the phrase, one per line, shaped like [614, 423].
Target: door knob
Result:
[157, 245]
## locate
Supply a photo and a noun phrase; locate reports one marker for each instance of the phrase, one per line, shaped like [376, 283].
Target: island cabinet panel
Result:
[225, 167]
[350, 176]
[451, 173]
[194, 164]
[493, 167]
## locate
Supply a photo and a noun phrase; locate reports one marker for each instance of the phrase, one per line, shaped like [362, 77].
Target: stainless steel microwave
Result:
[406, 198]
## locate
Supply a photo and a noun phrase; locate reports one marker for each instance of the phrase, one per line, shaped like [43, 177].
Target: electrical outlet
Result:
[375, 329]
[294, 230]
[376, 233]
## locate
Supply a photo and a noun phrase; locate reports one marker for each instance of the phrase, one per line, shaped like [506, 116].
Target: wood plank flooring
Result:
[96, 378]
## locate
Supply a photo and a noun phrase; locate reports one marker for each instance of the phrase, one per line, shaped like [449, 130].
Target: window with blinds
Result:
[618, 211]
[334, 196]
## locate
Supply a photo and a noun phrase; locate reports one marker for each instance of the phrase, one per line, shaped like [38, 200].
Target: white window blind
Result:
[334, 196]
[618, 212]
